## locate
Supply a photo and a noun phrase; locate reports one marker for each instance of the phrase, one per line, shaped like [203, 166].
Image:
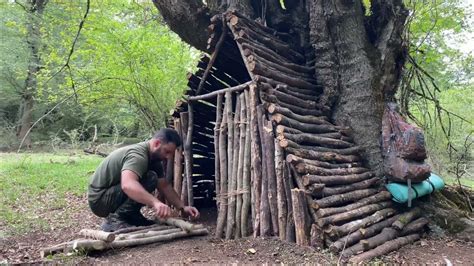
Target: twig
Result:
[71, 51]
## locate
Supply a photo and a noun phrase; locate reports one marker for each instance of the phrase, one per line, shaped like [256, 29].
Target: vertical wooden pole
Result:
[281, 195]
[184, 127]
[217, 179]
[178, 161]
[265, 218]
[301, 216]
[222, 196]
[290, 222]
[256, 162]
[240, 170]
[231, 211]
[271, 175]
[246, 175]
[188, 154]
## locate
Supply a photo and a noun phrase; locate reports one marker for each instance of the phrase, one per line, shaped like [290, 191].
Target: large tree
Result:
[34, 10]
[357, 51]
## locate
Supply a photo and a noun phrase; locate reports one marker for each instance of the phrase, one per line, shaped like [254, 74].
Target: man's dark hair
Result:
[168, 135]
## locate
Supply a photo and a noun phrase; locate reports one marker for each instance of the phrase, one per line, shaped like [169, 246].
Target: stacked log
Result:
[343, 196]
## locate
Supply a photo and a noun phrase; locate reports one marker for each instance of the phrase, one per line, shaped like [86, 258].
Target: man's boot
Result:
[113, 222]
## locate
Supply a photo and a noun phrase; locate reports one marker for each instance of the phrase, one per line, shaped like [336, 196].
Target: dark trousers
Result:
[114, 200]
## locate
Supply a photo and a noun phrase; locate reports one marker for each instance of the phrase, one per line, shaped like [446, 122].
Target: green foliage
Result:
[125, 74]
[437, 89]
[31, 184]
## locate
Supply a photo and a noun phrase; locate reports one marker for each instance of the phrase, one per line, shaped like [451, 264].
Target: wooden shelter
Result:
[256, 138]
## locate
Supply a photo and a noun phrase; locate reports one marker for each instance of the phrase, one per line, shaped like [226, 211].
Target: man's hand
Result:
[162, 210]
[191, 211]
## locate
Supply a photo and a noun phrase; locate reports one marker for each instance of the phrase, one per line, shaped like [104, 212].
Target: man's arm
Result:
[170, 194]
[135, 191]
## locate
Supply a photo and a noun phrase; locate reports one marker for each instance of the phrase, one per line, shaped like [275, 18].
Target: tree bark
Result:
[301, 217]
[33, 38]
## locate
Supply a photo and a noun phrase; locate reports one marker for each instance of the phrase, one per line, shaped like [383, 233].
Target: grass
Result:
[31, 183]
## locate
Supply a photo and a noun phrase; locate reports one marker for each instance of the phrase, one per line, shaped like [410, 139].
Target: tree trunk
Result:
[33, 38]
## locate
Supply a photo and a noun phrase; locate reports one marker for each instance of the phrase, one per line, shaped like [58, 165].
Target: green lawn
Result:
[31, 183]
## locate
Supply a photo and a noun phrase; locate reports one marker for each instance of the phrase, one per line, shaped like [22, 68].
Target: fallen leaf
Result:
[251, 251]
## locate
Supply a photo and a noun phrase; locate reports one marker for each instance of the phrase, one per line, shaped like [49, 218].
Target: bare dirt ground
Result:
[65, 223]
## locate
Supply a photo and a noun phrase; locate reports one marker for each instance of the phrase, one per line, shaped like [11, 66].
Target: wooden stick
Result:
[240, 170]
[381, 196]
[222, 197]
[291, 158]
[343, 198]
[290, 222]
[265, 213]
[330, 191]
[338, 153]
[99, 235]
[300, 185]
[178, 223]
[301, 217]
[154, 228]
[306, 126]
[232, 189]
[256, 162]
[188, 154]
[150, 234]
[184, 124]
[280, 113]
[313, 139]
[415, 226]
[303, 168]
[217, 129]
[271, 175]
[221, 91]
[158, 238]
[316, 236]
[178, 161]
[323, 156]
[246, 175]
[356, 236]
[294, 108]
[406, 218]
[350, 215]
[213, 57]
[339, 231]
[281, 200]
[385, 248]
[336, 179]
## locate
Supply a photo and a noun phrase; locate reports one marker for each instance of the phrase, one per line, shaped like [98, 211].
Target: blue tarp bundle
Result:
[399, 191]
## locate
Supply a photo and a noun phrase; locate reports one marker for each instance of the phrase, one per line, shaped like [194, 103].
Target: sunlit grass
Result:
[31, 183]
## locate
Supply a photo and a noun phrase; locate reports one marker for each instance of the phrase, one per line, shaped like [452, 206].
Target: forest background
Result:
[109, 72]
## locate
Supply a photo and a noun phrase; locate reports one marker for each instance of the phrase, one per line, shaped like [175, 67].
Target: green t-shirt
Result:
[133, 157]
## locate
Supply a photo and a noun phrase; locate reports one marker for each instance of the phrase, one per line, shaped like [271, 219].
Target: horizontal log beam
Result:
[385, 248]
[222, 91]
[336, 180]
[303, 168]
[342, 198]
[362, 233]
[381, 196]
[293, 159]
[330, 191]
[323, 156]
[345, 229]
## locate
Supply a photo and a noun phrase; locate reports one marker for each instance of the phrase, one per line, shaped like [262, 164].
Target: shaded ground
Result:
[25, 247]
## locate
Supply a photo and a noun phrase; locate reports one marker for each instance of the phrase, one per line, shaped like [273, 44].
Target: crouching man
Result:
[124, 181]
